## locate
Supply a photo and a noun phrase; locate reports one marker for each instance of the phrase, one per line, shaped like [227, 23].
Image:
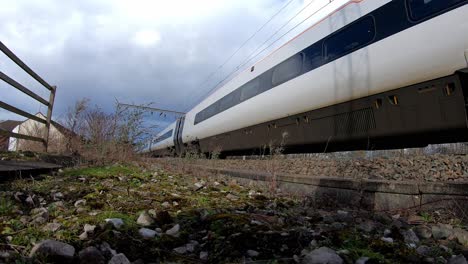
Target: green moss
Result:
[106, 171]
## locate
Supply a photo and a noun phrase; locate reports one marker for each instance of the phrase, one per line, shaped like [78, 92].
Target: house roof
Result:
[9, 125]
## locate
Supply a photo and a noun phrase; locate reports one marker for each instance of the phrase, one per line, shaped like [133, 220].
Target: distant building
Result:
[8, 125]
[57, 136]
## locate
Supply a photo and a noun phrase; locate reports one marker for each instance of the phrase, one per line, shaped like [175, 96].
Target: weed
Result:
[6, 205]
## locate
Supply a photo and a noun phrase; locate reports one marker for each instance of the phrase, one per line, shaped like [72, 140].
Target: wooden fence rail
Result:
[49, 103]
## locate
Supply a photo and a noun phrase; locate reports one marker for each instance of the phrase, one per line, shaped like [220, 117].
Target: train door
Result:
[178, 143]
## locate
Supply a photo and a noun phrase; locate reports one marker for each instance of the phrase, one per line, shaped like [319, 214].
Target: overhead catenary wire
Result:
[243, 45]
[250, 57]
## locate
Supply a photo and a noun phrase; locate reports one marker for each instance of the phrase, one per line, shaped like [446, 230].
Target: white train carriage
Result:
[371, 74]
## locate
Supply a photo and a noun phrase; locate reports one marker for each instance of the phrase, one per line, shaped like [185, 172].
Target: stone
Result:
[203, 255]
[232, 197]
[322, 255]
[460, 259]
[252, 253]
[116, 222]
[166, 205]
[199, 185]
[91, 255]
[119, 259]
[80, 203]
[147, 233]
[52, 227]
[367, 226]
[423, 250]
[442, 231]
[462, 236]
[387, 239]
[52, 249]
[409, 236]
[145, 219]
[423, 232]
[39, 220]
[362, 260]
[174, 231]
[57, 196]
[106, 250]
[40, 212]
[152, 213]
[192, 246]
[83, 236]
[89, 228]
[180, 250]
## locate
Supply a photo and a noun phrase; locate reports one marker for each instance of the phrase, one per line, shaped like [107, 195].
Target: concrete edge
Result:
[365, 185]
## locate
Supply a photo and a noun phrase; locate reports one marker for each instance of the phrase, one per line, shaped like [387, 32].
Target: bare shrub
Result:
[100, 137]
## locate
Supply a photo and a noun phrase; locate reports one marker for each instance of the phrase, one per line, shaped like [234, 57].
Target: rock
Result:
[57, 196]
[166, 205]
[147, 233]
[367, 226]
[192, 246]
[152, 213]
[462, 236]
[52, 249]
[252, 253]
[387, 232]
[199, 185]
[40, 212]
[442, 231]
[106, 250]
[119, 259]
[423, 232]
[83, 236]
[322, 255]
[423, 250]
[460, 259]
[145, 219]
[180, 250]
[91, 255]
[362, 260]
[203, 255]
[39, 220]
[409, 236]
[387, 239]
[116, 222]
[232, 197]
[415, 220]
[89, 228]
[174, 231]
[52, 227]
[80, 203]
[30, 200]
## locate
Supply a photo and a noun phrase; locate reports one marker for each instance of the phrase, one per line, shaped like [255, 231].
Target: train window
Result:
[288, 69]
[420, 9]
[228, 101]
[313, 57]
[166, 135]
[199, 118]
[211, 110]
[250, 89]
[350, 38]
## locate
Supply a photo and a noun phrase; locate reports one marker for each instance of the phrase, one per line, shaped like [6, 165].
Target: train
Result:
[372, 74]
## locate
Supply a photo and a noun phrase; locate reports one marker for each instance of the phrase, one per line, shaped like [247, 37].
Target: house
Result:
[57, 136]
[7, 125]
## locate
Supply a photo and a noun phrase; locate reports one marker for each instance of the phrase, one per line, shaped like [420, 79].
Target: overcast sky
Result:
[138, 51]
